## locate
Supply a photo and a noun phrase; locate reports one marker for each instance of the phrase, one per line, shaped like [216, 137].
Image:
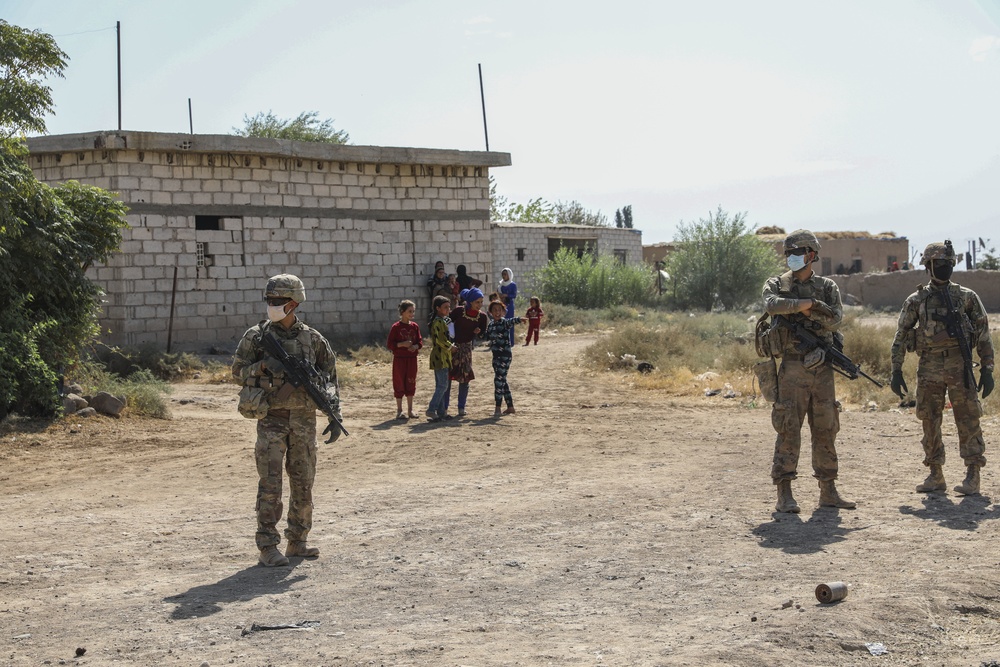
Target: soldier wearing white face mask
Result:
[804, 391]
[286, 426]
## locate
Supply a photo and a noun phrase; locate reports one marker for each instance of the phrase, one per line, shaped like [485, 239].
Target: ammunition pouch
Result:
[253, 403]
[814, 358]
[767, 378]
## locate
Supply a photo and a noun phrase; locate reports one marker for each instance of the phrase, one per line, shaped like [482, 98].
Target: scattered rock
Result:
[729, 392]
[644, 367]
[786, 604]
[871, 406]
[713, 392]
[74, 388]
[86, 412]
[80, 651]
[107, 404]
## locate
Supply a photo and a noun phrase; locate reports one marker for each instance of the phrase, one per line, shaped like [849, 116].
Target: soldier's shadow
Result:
[792, 535]
[967, 514]
[202, 601]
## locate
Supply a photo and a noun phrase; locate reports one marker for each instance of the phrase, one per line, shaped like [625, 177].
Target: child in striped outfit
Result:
[498, 332]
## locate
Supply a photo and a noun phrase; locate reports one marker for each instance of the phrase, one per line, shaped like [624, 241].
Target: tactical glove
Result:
[273, 366]
[986, 382]
[898, 384]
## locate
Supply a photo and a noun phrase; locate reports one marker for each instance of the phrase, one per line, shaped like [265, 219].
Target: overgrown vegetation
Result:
[683, 347]
[719, 263]
[305, 127]
[144, 393]
[586, 281]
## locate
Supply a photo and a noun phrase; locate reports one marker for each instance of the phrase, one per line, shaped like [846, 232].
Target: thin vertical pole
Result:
[190, 117]
[170, 322]
[482, 98]
[118, 29]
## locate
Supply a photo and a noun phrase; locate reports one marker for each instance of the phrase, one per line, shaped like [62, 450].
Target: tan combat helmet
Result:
[802, 238]
[938, 250]
[285, 285]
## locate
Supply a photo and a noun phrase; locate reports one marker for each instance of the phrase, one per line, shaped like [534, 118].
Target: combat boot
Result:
[301, 550]
[786, 503]
[271, 557]
[830, 497]
[970, 485]
[934, 482]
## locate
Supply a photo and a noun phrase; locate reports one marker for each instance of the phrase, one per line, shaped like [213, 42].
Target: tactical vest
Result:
[931, 333]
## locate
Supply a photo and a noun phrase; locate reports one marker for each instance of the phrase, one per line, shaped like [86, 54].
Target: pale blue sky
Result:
[829, 115]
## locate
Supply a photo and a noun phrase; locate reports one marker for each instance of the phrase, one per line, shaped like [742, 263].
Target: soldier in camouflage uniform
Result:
[942, 368]
[814, 301]
[286, 435]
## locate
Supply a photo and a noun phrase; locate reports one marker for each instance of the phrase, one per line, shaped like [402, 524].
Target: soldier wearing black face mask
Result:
[923, 328]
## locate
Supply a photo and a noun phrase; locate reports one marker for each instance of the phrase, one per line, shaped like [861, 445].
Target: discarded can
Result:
[834, 591]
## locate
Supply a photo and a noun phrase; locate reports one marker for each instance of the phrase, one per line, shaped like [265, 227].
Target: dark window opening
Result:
[208, 222]
[520, 254]
[579, 245]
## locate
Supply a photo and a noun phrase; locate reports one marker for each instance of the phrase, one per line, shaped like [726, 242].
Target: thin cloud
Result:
[478, 20]
[982, 46]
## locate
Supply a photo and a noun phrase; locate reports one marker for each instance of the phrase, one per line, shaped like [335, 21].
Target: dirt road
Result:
[601, 525]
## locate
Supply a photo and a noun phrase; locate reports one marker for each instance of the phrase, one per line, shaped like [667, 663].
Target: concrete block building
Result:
[526, 248]
[212, 216]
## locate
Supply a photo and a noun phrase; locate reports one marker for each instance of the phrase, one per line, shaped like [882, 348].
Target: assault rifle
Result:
[953, 325]
[809, 341]
[300, 374]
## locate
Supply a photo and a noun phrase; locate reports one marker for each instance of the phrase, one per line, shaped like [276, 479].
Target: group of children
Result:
[453, 330]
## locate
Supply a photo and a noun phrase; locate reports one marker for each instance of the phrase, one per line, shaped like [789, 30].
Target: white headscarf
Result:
[505, 283]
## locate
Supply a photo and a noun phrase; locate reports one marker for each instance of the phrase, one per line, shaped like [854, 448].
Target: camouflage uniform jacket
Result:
[920, 327]
[781, 294]
[300, 341]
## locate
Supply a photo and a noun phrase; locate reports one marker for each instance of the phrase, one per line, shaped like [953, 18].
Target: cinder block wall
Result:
[362, 226]
[525, 247]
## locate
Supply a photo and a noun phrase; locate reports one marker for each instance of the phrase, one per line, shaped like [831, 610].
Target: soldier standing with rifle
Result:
[284, 404]
[941, 322]
[805, 380]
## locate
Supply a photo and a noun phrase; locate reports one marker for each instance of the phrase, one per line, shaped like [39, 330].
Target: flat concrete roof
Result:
[229, 143]
[547, 225]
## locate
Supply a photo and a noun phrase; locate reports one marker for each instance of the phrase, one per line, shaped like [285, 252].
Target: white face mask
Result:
[796, 262]
[276, 313]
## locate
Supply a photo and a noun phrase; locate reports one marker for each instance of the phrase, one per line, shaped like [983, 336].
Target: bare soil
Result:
[600, 525]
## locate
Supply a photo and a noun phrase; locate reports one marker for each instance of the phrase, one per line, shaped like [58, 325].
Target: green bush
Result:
[587, 281]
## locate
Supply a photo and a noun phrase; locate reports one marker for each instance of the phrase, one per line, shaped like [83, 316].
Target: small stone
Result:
[80, 651]
[786, 604]
[107, 404]
[86, 412]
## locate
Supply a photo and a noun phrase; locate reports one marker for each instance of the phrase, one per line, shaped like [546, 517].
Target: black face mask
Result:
[942, 271]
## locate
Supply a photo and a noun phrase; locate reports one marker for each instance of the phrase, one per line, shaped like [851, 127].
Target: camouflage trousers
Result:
[938, 373]
[290, 443]
[803, 394]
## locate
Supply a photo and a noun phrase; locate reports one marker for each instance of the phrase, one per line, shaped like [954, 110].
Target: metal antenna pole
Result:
[482, 98]
[118, 29]
[190, 117]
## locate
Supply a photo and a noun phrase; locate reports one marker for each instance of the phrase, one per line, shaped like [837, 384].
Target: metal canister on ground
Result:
[835, 591]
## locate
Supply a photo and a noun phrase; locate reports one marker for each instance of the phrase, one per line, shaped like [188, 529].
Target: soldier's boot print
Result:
[271, 557]
[301, 550]
[970, 485]
[934, 482]
[786, 503]
[830, 497]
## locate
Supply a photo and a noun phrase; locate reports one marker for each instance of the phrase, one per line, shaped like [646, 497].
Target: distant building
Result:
[845, 253]
[212, 216]
[525, 248]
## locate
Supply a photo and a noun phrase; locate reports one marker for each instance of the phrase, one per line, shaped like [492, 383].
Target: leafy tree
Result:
[719, 261]
[499, 206]
[623, 217]
[535, 211]
[305, 127]
[49, 236]
[573, 213]
[989, 262]
[26, 58]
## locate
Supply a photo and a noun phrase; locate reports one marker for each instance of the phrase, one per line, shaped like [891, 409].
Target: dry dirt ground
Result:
[601, 525]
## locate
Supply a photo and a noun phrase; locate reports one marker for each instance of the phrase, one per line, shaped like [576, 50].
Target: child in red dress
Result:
[404, 341]
[534, 317]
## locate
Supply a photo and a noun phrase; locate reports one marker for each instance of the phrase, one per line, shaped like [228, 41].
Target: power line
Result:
[85, 32]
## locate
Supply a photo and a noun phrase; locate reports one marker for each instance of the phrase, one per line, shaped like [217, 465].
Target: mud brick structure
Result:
[212, 216]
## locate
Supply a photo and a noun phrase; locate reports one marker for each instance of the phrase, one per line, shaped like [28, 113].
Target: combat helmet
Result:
[802, 238]
[285, 285]
[938, 250]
